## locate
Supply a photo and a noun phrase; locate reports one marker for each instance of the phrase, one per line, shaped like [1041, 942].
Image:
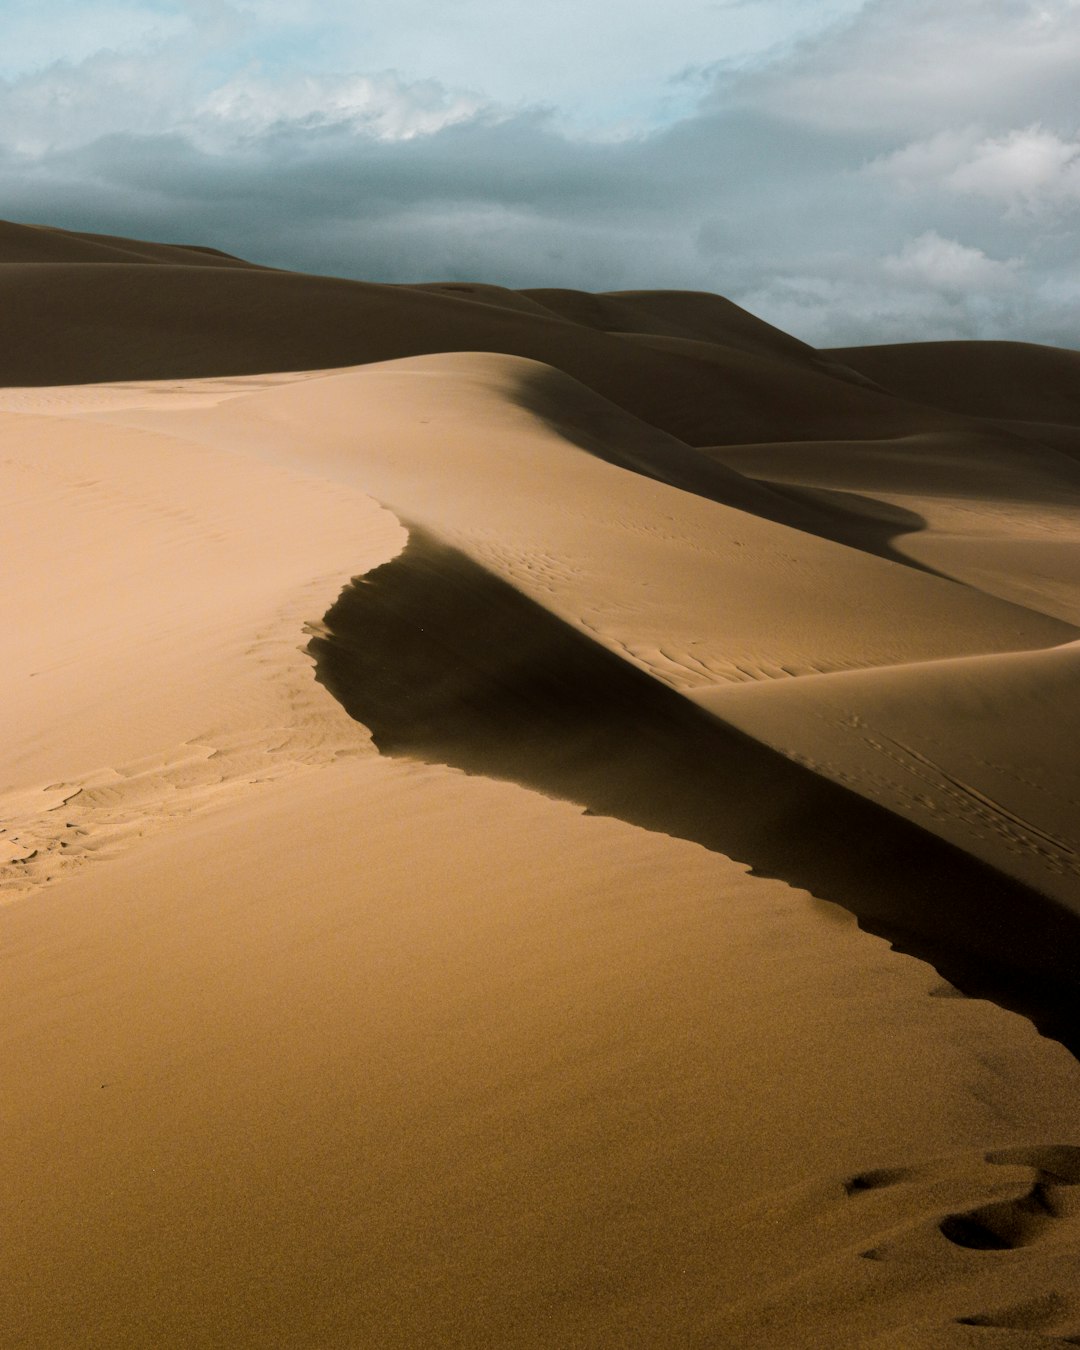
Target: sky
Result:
[851, 170]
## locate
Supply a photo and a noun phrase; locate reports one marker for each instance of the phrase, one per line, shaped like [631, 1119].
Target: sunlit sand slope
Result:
[437, 791]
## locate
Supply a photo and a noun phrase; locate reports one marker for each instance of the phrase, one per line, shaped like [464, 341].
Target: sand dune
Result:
[38, 244]
[992, 511]
[974, 748]
[981, 379]
[124, 321]
[449, 732]
[179, 322]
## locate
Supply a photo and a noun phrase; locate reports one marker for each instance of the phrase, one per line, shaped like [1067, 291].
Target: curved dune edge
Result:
[697, 579]
[527, 472]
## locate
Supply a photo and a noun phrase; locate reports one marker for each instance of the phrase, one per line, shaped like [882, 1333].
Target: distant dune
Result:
[529, 819]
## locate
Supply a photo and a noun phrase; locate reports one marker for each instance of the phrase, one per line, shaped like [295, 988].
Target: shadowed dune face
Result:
[187, 322]
[89, 309]
[696, 587]
[995, 511]
[689, 315]
[446, 663]
[695, 365]
[42, 244]
[980, 379]
[844, 517]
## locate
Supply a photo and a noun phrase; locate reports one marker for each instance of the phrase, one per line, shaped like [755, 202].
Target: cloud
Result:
[608, 67]
[1027, 166]
[381, 106]
[41, 33]
[1030, 171]
[947, 266]
[69, 106]
[912, 68]
[910, 172]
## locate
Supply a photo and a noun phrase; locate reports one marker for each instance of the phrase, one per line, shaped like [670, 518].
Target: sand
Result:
[624, 915]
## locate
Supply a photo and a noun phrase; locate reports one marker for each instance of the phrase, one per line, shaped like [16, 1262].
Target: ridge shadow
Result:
[608, 431]
[448, 664]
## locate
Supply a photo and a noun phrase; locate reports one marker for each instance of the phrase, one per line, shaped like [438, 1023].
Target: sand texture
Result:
[529, 819]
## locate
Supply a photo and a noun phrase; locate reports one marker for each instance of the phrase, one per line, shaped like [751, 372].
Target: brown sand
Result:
[312, 1039]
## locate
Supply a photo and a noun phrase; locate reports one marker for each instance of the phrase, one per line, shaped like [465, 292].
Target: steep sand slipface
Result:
[308, 1044]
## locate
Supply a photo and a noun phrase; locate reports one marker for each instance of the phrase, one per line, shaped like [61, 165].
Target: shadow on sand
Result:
[600, 428]
[447, 664]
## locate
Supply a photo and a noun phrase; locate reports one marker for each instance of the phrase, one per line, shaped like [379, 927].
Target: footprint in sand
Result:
[1036, 1206]
[877, 1180]
[1052, 1196]
[1042, 1316]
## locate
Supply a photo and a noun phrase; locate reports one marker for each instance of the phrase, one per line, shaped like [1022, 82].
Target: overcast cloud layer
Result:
[878, 171]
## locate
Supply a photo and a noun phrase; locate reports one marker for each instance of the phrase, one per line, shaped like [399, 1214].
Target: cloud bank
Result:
[910, 171]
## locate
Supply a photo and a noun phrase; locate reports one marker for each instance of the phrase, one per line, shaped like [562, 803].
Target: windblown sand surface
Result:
[621, 916]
